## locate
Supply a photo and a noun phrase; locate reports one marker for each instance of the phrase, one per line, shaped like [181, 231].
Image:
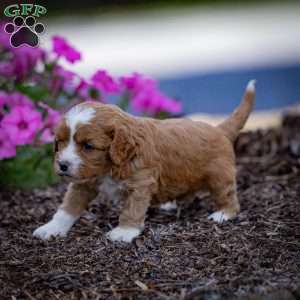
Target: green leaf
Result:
[31, 168]
[35, 92]
[94, 93]
[49, 67]
[162, 115]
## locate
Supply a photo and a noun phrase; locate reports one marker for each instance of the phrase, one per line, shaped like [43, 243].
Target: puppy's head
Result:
[90, 140]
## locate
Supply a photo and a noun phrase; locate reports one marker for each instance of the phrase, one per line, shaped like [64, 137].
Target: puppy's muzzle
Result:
[64, 168]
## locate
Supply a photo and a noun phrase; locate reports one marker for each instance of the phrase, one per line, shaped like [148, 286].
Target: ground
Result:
[180, 255]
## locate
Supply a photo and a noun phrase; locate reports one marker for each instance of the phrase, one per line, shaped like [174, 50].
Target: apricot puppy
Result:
[144, 162]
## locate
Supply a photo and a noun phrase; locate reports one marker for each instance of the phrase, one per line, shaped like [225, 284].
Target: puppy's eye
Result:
[87, 146]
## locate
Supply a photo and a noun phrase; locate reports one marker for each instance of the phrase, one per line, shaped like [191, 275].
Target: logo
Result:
[24, 29]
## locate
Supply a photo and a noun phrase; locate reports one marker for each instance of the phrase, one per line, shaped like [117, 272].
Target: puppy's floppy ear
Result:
[123, 146]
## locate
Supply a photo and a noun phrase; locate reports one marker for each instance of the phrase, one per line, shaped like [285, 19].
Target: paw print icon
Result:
[24, 31]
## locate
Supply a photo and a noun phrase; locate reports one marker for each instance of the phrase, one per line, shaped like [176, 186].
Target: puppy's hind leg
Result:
[224, 195]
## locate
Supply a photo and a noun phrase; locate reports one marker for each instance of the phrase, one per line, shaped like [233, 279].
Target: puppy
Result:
[144, 161]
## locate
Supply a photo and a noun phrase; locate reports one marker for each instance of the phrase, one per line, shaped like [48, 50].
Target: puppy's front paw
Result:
[123, 234]
[50, 229]
[60, 225]
[220, 216]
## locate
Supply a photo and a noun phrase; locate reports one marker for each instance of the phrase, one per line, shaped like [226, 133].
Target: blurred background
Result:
[202, 52]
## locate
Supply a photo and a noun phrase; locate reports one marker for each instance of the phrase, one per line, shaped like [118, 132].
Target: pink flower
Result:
[66, 75]
[73, 55]
[149, 101]
[87, 91]
[47, 136]
[102, 80]
[8, 101]
[53, 116]
[63, 79]
[22, 124]
[17, 99]
[25, 59]
[137, 82]
[7, 148]
[3, 98]
[82, 88]
[146, 97]
[51, 120]
[3, 103]
[62, 48]
[168, 105]
[6, 69]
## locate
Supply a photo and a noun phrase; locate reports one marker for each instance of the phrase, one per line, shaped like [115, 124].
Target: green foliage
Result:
[35, 92]
[31, 168]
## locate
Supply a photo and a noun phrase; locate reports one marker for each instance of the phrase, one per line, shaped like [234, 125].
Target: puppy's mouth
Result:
[66, 177]
[62, 174]
[69, 178]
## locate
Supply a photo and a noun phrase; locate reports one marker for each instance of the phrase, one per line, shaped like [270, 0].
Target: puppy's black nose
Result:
[63, 166]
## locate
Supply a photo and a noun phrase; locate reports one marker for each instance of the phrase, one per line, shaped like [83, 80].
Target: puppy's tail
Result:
[238, 118]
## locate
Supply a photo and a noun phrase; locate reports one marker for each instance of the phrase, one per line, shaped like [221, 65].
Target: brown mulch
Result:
[180, 255]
